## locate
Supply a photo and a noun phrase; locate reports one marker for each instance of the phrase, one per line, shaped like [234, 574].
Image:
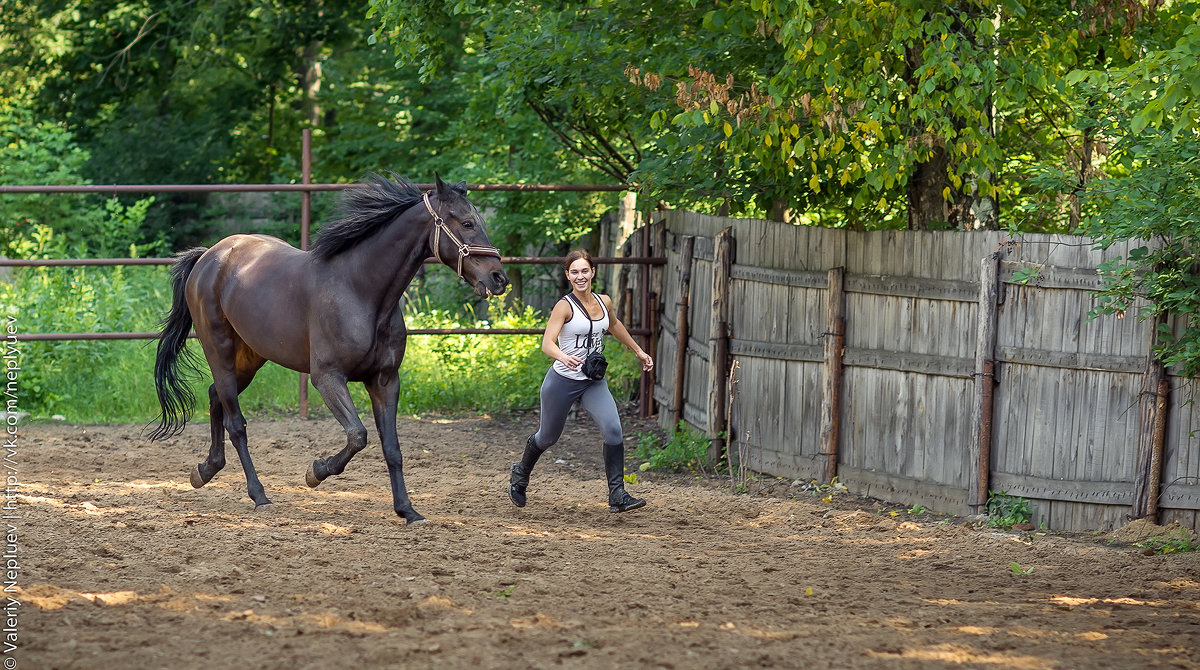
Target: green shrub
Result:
[1172, 541]
[112, 381]
[471, 372]
[686, 448]
[1006, 511]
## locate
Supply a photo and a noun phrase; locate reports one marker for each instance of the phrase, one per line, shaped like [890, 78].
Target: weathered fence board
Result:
[1064, 407]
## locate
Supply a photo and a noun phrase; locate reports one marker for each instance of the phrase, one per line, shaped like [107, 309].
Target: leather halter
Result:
[464, 250]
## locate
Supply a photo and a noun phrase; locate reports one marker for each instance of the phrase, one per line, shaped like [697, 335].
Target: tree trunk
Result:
[271, 116]
[1085, 166]
[926, 206]
[310, 83]
[516, 275]
[779, 210]
[981, 211]
[932, 199]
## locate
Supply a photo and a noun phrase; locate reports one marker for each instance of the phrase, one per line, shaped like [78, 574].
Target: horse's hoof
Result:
[310, 477]
[264, 508]
[412, 517]
[197, 480]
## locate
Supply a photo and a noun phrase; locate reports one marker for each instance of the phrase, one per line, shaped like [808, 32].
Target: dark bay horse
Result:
[333, 312]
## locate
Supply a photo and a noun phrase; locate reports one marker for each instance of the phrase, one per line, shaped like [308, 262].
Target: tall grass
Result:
[112, 381]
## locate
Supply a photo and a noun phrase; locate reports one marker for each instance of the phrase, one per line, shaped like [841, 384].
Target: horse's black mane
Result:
[362, 212]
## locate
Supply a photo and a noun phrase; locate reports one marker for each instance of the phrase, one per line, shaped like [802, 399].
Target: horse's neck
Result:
[388, 261]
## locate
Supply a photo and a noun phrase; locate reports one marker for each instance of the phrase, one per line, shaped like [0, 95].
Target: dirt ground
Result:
[122, 564]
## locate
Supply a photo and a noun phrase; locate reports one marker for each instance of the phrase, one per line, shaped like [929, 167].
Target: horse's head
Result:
[459, 240]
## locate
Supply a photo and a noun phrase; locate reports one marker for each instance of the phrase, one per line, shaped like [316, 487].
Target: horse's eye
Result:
[468, 224]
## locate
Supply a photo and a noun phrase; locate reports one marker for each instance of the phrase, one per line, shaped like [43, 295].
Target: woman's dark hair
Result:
[575, 255]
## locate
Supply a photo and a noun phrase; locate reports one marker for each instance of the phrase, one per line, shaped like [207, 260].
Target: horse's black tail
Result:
[174, 392]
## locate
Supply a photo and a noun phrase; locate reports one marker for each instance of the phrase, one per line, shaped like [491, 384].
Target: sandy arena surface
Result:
[122, 564]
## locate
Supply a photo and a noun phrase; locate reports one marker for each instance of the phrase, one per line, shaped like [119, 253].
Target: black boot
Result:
[518, 477]
[614, 469]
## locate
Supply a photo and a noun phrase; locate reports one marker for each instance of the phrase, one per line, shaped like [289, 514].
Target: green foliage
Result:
[1152, 197]
[48, 225]
[1174, 540]
[1016, 569]
[1006, 511]
[458, 373]
[1166, 83]
[866, 115]
[86, 380]
[90, 382]
[686, 448]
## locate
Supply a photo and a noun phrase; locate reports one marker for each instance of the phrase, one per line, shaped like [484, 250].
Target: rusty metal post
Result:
[988, 381]
[305, 222]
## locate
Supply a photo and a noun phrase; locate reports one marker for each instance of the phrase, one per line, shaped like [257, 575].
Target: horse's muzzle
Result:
[496, 283]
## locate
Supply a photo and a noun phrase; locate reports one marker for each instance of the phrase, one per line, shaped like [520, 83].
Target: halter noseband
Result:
[464, 250]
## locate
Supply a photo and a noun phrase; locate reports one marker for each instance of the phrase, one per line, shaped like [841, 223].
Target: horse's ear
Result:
[461, 187]
[439, 184]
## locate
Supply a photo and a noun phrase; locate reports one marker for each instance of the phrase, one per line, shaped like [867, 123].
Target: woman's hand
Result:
[647, 362]
[572, 362]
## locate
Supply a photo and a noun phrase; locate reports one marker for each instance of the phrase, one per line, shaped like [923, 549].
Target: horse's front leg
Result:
[337, 398]
[384, 390]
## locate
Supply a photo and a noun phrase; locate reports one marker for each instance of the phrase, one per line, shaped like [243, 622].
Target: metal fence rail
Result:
[640, 331]
[306, 188]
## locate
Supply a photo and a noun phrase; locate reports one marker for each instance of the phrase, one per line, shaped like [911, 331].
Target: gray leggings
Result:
[559, 393]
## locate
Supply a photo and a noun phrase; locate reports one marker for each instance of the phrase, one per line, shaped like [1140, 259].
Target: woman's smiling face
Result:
[580, 274]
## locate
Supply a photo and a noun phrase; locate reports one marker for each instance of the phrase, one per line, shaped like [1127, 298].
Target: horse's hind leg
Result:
[248, 366]
[233, 366]
[248, 363]
[209, 467]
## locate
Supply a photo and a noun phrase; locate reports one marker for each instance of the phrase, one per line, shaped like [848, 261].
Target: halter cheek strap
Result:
[464, 250]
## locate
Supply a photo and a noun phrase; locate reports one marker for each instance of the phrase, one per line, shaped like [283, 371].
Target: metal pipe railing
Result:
[285, 188]
[306, 188]
[514, 260]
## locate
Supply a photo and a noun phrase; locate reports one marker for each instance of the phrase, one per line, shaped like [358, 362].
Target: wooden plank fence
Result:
[915, 368]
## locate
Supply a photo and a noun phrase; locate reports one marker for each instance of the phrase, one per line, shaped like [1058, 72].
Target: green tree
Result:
[181, 92]
[920, 115]
[894, 114]
[1148, 113]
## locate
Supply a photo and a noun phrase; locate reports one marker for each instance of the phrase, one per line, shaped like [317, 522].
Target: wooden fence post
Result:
[831, 375]
[985, 379]
[718, 343]
[1151, 434]
[681, 326]
[658, 248]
